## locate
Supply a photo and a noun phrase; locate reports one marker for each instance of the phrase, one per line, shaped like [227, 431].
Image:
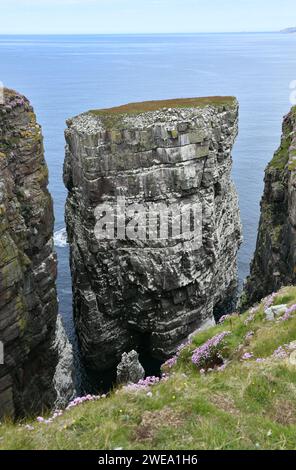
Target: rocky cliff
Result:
[33, 339]
[151, 162]
[274, 263]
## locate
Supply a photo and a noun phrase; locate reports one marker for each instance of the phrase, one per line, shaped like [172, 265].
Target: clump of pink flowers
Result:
[268, 301]
[173, 360]
[209, 353]
[247, 356]
[288, 313]
[143, 384]
[285, 317]
[249, 319]
[254, 310]
[223, 319]
[291, 309]
[77, 401]
[170, 362]
[280, 353]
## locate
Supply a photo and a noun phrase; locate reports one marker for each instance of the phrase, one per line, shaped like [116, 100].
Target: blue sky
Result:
[144, 16]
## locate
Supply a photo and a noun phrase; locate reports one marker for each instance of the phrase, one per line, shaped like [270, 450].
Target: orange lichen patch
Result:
[146, 106]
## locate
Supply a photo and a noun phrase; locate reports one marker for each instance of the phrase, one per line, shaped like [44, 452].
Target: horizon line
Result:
[144, 33]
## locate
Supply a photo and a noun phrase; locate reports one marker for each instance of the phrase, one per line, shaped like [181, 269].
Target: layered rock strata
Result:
[274, 262]
[150, 290]
[28, 301]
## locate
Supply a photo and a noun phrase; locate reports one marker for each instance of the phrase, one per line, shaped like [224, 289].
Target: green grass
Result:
[281, 156]
[146, 106]
[248, 405]
[112, 116]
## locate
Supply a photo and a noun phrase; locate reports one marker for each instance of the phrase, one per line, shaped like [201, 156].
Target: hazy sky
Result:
[142, 16]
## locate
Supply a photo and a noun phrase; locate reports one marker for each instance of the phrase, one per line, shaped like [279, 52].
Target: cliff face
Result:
[152, 291]
[274, 263]
[28, 301]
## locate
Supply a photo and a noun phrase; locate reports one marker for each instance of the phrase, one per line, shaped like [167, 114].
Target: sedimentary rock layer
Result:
[28, 300]
[274, 262]
[154, 291]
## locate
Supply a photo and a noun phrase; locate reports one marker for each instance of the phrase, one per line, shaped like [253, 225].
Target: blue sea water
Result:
[66, 75]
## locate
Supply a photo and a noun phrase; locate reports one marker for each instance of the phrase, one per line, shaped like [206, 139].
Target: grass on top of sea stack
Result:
[150, 106]
[238, 393]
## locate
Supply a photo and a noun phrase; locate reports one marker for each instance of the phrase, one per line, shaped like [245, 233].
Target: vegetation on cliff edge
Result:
[232, 387]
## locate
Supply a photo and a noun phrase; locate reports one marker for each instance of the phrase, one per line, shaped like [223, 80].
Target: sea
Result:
[67, 75]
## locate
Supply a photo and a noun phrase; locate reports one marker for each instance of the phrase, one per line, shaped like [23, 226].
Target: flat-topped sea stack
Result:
[36, 370]
[145, 273]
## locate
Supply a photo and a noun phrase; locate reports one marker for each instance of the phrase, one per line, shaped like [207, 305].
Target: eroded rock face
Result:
[274, 262]
[152, 292]
[28, 300]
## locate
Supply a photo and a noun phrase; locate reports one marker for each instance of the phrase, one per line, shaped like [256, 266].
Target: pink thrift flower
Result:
[247, 356]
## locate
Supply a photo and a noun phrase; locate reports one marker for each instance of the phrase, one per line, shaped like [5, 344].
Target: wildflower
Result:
[280, 353]
[170, 362]
[287, 314]
[40, 419]
[268, 301]
[223, 319]
[254, 310]
[247, 356]
[285, 317]
[291, 309]
[209, 351]
[249, 319]
[142, 384]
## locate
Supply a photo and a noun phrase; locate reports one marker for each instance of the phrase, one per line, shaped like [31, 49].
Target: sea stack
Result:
[158, 160]
[274, 262]
[32, 376]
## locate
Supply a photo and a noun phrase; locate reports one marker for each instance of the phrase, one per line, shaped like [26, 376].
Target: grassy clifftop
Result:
[232, 387]
[148, 106]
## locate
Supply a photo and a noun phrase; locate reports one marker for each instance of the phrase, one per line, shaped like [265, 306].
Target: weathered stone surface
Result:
[63, 380]
[130, 370]
[28, 300]
[274, 262]
[129, 293]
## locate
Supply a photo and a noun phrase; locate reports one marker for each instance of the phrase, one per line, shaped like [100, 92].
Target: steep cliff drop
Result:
[38, 363]
[152, 290]
[274, 263]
